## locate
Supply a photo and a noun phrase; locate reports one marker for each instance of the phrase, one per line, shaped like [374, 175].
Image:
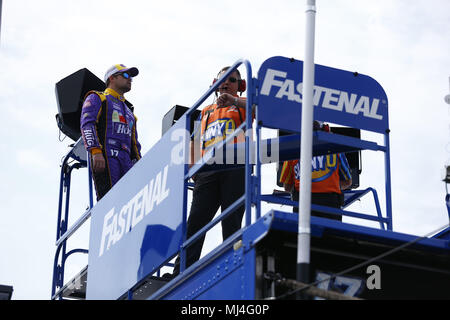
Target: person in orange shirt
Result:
[220, 188]
[330, 175]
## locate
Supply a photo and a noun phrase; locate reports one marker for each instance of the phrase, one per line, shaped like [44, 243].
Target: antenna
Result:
[446, 172]
[304, 232]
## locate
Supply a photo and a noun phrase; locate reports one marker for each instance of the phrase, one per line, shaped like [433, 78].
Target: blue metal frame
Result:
[353, 195]
[63, 232]
[203, 274]
[288, 222]
[387, 161]
[324, 143]
[447, 202]
[253, 197]
[251, 233]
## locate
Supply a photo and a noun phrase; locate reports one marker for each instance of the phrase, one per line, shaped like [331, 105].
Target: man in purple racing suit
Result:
[108, 127]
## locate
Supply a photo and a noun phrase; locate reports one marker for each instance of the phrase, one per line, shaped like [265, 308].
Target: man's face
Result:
[122, 81]
[230, 85]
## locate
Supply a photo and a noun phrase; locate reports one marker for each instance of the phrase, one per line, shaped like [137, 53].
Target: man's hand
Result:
[288, 187]
[345, 184]
[225, 100]
[98, 163]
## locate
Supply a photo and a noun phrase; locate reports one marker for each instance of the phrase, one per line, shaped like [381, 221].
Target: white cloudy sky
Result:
[179, 46]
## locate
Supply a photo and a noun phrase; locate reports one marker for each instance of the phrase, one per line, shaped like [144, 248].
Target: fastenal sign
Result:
[137, 224]
[340, 97]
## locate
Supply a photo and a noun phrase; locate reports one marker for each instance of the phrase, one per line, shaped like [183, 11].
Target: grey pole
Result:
[304, 230]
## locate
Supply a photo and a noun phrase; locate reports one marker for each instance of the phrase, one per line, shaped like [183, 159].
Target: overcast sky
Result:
[179, 46]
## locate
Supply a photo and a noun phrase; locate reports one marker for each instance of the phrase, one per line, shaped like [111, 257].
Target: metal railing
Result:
[63, 231]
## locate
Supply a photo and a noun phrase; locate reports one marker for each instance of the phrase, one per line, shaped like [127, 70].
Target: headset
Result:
[242, 85]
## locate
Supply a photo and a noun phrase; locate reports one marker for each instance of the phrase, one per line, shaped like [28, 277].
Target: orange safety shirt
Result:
[218, 123]
[327, 171]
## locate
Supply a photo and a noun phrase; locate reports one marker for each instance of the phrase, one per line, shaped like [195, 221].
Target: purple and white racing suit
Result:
[108, 125]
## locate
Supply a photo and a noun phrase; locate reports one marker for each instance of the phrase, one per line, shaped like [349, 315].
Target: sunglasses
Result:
[125, 75]
[232, 79]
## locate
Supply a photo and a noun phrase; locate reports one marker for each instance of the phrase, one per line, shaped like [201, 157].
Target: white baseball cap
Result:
[119, 68]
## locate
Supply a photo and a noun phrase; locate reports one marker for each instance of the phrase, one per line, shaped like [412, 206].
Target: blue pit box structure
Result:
[139, 227]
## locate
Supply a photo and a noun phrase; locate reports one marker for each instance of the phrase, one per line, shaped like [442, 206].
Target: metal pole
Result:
[304, 230]
[387, 164]
[91, 200]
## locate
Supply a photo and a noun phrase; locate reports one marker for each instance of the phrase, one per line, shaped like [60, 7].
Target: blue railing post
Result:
[387, 162]
[61, 192]
[248, 165]
[62, 233]
[91, 191]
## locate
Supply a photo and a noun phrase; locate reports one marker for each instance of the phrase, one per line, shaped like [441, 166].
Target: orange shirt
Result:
[327, 171]
[218, 123]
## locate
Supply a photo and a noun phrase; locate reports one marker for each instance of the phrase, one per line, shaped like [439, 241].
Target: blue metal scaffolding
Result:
[140, 225]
